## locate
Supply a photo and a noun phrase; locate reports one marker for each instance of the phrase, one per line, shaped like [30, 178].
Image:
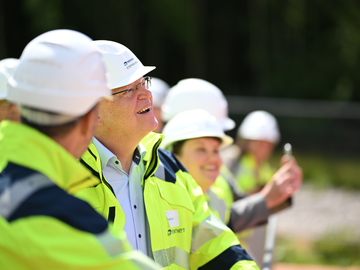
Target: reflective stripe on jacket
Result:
[44, 227]
[246, 212]
[220, 199]
[199, 240]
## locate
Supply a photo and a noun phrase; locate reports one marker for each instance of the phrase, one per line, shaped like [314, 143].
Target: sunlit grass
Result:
[332, 249]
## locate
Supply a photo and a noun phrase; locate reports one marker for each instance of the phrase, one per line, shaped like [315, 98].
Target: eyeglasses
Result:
[145, 82]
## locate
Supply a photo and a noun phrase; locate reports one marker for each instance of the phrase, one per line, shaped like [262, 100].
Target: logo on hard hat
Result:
[128, 61]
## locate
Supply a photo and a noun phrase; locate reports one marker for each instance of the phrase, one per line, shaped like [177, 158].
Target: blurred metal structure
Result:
[270, 242]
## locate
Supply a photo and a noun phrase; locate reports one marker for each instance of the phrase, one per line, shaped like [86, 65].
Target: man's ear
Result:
[90, 121]
[99, 121]
[85, 122]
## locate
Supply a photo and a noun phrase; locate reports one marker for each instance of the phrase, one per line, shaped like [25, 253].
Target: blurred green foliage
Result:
[307, 49]
[332, 249]
[324, 170]
[289, 48]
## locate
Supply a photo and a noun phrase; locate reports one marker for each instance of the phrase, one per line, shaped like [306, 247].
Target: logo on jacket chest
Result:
[175, 231]
[173, 219]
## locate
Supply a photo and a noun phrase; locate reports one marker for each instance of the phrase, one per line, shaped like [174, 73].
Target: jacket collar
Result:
[151, 143]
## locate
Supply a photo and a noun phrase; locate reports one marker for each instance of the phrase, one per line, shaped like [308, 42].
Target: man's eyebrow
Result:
[120, 89]
[130, 85]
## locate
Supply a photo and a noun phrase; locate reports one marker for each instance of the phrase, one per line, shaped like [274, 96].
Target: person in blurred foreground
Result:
[57, 85]
[145, 190]
[8, 111]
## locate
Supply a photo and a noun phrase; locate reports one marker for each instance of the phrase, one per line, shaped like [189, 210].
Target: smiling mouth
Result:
[145, 110]
[210, 167]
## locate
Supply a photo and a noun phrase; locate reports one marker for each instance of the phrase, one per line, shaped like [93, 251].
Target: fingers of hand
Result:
[296, 182]
[290, 179]
[288, 159]
[285, 159]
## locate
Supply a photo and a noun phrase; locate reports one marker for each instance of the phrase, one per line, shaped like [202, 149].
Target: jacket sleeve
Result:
[248, 212]
[214, 245]
[46, 243]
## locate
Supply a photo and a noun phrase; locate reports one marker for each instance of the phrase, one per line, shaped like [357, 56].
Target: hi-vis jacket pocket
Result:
[174, 195]
[90, 195]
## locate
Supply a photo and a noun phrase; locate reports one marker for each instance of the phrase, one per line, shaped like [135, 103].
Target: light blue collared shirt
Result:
[128, 191]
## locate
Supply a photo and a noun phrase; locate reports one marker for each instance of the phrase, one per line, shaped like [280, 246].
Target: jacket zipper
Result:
[107, 184]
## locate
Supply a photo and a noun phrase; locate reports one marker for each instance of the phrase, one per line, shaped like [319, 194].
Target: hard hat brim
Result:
[227, 124]
[225, 140]
[133, 77]
[72, 104]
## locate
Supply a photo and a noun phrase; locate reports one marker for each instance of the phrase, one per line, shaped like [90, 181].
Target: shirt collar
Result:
[105, 154]
[142, 150]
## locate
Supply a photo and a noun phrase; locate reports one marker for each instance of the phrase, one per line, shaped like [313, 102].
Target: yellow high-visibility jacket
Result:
[42, 226]
[200, 241]
[240, 214]
[247, 176]
[220, 199]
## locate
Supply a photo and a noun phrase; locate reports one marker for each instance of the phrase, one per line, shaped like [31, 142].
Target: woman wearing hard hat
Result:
[196, 138]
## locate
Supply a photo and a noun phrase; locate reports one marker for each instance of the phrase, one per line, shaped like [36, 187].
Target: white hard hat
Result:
[260, 125]
[122, 65]
[60, 71]
[159, 90]
[191, 94]
[7, 69]
[193, 124]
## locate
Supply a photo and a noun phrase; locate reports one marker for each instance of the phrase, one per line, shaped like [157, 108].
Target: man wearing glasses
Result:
[146, 191]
